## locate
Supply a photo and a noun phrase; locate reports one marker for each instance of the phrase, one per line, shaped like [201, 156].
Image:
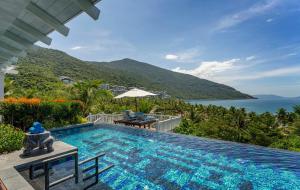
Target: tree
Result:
[297, 109]
[8, 86]
[88, 93]
[282, 116]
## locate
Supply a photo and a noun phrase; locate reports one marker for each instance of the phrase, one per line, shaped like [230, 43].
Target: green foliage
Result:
[144, 105]
[88, 93]
[297, 109]
[296, 127]
[289, 143]
[39, 72]
[280, 131]
[50, 114]
[11, 138]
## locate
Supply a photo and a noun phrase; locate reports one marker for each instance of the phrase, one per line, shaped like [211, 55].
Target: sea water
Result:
[255, 105]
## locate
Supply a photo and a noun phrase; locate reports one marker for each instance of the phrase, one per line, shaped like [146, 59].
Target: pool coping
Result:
[12, 163]
[89, 124]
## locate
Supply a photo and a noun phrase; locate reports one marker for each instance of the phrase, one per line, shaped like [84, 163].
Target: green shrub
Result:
[289, 143]
[10, 138]
[50, 114]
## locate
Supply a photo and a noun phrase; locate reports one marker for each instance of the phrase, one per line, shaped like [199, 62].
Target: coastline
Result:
[251, 105]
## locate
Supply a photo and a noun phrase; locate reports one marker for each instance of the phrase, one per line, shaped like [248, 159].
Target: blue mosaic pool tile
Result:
[141, 165]
[178, 177]
[150, 160]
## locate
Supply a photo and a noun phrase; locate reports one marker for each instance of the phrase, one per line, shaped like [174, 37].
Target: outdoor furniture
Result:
[129, 115]
[140, 116]
[135, 93]
[136, 119]
[139, 123]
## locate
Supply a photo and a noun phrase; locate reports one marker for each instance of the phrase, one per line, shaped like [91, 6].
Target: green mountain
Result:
[42, 67]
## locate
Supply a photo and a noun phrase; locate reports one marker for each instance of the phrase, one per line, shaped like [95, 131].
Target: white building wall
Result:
[1, 85]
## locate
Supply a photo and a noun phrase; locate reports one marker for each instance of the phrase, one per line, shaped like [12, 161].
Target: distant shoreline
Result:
[252, 105]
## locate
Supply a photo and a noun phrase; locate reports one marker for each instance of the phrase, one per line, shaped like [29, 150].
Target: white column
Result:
[1, 85]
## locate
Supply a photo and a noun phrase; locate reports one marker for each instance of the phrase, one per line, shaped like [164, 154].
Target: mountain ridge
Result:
[126, 72]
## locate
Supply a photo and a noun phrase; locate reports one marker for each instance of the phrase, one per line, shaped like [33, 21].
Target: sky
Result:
[251, 45]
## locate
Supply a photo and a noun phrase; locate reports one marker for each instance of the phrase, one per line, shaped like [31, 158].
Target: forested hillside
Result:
[39, 71]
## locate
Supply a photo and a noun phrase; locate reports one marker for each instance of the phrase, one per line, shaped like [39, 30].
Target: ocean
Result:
[255, 105]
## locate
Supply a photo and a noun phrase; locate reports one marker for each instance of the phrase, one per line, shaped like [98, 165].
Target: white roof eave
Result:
[25, 22]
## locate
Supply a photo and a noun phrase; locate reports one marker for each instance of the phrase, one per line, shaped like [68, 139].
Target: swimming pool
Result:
[153, 160]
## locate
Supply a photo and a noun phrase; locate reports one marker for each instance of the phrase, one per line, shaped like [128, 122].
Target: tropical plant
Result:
[10, 138]
[282, 116]
[297, 110]
[88, 93]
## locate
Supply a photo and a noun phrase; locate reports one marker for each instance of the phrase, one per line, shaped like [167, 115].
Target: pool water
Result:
[152, 160]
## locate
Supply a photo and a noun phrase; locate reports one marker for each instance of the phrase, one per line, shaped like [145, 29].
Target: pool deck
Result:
[12, 163]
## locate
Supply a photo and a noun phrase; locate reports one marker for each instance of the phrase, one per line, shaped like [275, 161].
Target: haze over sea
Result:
[260, 105]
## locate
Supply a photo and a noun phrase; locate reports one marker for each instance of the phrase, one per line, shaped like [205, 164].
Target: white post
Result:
[1, 85]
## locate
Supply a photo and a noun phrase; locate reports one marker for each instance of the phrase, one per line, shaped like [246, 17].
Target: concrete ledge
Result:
[13, 180]
[13, 162]
[72, 126]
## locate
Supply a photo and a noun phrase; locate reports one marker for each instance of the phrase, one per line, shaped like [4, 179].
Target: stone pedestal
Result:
[40, 141]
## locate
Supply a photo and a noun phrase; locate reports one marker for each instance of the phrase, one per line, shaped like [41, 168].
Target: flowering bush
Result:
[59, 100]
[22, 112]
[23, 100]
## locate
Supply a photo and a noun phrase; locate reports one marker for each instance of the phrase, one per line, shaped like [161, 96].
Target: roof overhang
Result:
[25, 22]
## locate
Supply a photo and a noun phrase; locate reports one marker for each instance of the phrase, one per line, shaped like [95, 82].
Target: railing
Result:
[104, 118]
[46, 165]
[93, 167]
[164, 122]
[169, 124]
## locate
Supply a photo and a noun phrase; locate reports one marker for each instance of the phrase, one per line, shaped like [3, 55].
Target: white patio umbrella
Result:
[135, 93]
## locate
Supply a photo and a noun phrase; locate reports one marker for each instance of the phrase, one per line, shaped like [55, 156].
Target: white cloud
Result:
[186, 56]
[292, 54]
[77, 48]
[272, 73]
[281, 72]
[250, 58]
[171, 57]
[269, 20]
[209, 69]
[234, 70]
[242, 16]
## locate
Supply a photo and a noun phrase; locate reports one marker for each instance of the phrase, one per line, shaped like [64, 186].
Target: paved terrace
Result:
[13, 163]
[165, 123]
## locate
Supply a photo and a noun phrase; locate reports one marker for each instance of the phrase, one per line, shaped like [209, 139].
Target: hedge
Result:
[11, 139]
[22, 113]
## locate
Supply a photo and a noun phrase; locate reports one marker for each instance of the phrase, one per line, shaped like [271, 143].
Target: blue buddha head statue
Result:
[36, 128]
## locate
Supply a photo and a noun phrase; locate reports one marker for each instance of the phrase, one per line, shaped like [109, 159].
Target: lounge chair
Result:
[129, 115]
[140, 116]
[136, 119]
